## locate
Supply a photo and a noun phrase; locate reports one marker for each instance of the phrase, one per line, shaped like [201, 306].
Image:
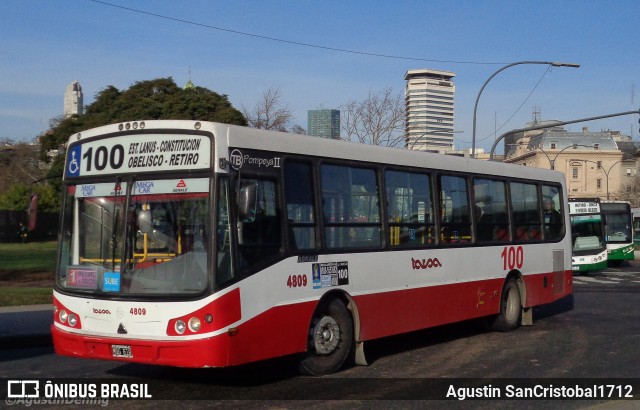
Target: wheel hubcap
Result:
[326, 335]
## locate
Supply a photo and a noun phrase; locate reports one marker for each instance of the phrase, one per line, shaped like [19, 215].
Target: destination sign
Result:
[138, 153]
[584, 207]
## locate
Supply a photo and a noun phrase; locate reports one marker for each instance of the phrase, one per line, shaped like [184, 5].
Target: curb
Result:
[25, 326]
[26, 308]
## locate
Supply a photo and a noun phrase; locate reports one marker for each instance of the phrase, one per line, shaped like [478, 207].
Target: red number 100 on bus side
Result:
[512, 257]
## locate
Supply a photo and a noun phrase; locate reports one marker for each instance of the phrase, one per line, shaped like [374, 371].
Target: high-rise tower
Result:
[73, 100]
[429, 98]
[324, 123]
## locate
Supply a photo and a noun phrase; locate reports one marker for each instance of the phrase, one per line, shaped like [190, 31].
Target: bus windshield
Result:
[146, 238]
[586, 231]
[618, 228]
[618, 224]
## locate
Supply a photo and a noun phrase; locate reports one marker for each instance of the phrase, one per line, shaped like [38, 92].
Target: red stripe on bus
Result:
[284, 330]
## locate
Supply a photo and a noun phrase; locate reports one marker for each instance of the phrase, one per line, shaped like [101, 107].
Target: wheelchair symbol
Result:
[73, 164]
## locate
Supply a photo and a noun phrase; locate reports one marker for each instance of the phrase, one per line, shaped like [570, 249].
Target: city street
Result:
[597, 339]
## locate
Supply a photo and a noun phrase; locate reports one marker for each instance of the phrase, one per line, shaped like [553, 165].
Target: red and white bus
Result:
[199, 244]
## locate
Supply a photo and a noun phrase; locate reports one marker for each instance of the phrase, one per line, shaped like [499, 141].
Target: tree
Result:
[296, 129]
[377, 120]
[145, 100]
[21, 174]
[19, 163]
[17, 197]
[629, 191]
[270, 112]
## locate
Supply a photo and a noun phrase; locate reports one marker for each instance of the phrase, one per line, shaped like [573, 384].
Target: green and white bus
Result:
[618, 229]
[635, 213]
[587, 235]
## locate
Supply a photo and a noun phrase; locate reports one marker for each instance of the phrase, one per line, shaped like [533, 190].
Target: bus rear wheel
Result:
[330, 339]
[510, 308]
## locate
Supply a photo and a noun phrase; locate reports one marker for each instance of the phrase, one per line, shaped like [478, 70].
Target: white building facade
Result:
[429, 99]
[73, 104]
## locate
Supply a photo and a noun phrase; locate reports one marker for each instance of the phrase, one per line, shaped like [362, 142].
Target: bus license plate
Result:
[121, 351]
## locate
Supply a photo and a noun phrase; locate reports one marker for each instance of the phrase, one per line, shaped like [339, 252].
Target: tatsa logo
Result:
[425, 263]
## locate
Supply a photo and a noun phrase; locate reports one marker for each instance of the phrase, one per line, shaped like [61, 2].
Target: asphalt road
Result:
[592, 338]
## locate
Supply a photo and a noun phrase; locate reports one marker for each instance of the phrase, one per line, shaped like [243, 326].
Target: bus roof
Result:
[251, 138]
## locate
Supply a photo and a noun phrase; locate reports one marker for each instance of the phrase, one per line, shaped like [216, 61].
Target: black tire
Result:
[615, 263]
[510, 308]
[330, 339]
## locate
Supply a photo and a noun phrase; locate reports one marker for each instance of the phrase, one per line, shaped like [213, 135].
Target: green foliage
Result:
[48, 198]
[159, 99]
[17, 198]
[145, 100]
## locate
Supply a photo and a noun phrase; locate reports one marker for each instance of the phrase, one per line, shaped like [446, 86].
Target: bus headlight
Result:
[194, 324]
[65, 316]
[180, 326]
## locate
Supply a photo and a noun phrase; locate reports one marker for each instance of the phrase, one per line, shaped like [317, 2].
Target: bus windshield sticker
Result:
[101, 190]
[111, 282]
[83, 278]
[307, 258]
[171, 186]
[330, 274]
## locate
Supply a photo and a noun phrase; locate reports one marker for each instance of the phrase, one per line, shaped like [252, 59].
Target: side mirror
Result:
[144, 222]
[247, 201]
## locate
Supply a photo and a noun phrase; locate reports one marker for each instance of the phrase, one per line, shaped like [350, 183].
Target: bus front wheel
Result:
[330, 339]
[510, 308]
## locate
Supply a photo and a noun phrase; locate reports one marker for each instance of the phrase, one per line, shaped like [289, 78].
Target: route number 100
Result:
[512, 257]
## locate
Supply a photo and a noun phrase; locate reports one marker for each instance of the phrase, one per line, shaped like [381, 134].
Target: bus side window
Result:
[526, 212]
[409, 209]
[552, 213]
[298, 194]
[492, 224]
[351, 207]
[455, 218]
[260, 237]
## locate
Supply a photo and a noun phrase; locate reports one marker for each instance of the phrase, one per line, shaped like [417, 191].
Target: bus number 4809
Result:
[296, 281]
[512, 257]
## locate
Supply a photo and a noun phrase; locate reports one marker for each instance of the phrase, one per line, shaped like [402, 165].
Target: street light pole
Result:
[475, 107]
[552, 162]
[606, 173]
[555, 124]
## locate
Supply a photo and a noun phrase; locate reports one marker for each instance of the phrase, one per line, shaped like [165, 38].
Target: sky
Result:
[323, 54]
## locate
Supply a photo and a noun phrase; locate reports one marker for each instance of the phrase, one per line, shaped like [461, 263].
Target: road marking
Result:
[592, 280]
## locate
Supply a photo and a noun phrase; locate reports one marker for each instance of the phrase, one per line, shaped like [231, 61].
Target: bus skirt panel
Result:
[279, 331]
